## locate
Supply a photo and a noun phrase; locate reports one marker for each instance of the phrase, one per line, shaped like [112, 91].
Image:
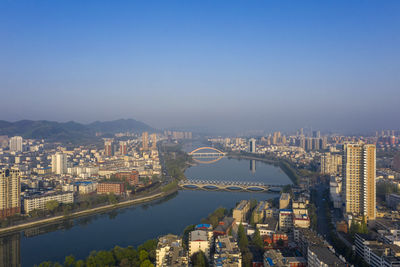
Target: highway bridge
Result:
[229, 186]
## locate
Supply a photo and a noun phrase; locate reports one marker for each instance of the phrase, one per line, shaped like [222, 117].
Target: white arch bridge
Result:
[229, 186]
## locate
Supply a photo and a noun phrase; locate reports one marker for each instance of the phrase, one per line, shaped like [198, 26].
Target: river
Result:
[136, 224]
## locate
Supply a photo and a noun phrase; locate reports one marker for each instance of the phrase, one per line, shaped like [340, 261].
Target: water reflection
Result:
[10, 250]
[252, 166]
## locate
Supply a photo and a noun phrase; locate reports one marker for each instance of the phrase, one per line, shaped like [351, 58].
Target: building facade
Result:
[111, 188]
[59, 163]
[39, 202]
[16, 144]
[10, 193]
[359, 185]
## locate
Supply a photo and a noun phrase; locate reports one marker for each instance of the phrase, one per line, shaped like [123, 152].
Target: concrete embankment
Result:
[55, 219]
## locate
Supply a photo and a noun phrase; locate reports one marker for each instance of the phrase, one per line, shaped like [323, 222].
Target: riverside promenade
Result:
[54, 219]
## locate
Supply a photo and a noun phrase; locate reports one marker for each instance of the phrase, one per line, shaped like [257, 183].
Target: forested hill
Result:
[69, 131]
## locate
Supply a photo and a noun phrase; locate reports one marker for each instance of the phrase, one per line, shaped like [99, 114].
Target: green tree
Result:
[242, 237]
[199, 259]
[257, 240]
[52, 205]
[69, 261]
[143, 255]
[112, 199]
[247, 259]
[146, 263]
[104, 258]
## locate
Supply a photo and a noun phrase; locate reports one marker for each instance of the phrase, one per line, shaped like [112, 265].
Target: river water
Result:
[136, 224]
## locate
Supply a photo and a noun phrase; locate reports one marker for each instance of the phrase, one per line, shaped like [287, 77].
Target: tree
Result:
[143, 255]
[247, 259]
[242, 237]
[280, 242]
[52, 205]
[257, 240]
[112, 199]
[199, 259]
[69, 261]
[146, 263]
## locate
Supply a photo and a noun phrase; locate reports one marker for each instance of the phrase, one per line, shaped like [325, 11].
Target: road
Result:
[322, 227]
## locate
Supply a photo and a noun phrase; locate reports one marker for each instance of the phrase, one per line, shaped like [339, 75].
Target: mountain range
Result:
[69, 131]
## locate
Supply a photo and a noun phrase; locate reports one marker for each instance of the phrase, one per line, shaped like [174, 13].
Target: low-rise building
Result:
[259, 211]
[199, 240]
[170, 253]
[224, 226]
[111, 188]
[241, 211]
[227, 252]
[39, 202]
[285, 219]
[284, 201]
[322, 257]
[275, 258]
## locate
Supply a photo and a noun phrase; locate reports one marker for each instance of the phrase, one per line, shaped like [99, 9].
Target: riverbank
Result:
[285, 167]
[83, 213]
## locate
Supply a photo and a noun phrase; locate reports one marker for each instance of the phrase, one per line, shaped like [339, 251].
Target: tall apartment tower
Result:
[252, 145]
[153, 141]
[59, 163]
[123, 147]
[16, 143]
[108, 148]
[359, 187]
[10, 193]
[145, 141]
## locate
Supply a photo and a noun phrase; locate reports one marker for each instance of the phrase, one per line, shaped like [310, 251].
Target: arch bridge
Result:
[229, 186]
[216, 153]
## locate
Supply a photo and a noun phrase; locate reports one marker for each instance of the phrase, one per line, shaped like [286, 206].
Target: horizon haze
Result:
[222, 66]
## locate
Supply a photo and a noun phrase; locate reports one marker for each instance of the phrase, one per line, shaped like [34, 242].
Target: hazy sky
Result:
[224, 65]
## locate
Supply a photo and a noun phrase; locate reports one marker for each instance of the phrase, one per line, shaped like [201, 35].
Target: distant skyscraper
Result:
[108, 148]
[16, 144]
[359, 171]
[145, 141]
[301, 132]
[153, 141]
[252, 145]
[123, 147]
[59, 163]
[10, 192]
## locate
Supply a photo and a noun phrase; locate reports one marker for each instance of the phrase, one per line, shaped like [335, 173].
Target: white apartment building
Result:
[39, 202]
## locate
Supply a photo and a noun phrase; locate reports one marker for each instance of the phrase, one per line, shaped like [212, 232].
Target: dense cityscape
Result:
[176, 133]
[340, 209]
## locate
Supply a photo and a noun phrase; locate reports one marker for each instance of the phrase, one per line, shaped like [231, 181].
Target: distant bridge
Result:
[229, 186]
[214, 156]
[216, 152]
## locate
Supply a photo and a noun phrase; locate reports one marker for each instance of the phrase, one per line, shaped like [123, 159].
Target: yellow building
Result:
[359, 187]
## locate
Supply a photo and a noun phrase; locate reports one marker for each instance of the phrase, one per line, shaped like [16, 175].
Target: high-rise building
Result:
[145, 141]
[123, 147]
[359, 186]
[153, 141]
[331, 163]
[252, 145]
[108, 148]
[16, 143]
[59, 163]
[10, 193]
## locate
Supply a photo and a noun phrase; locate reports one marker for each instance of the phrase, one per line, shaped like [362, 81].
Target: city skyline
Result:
[225, 66]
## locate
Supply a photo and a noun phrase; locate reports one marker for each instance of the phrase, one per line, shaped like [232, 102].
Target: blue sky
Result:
[223, 65]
